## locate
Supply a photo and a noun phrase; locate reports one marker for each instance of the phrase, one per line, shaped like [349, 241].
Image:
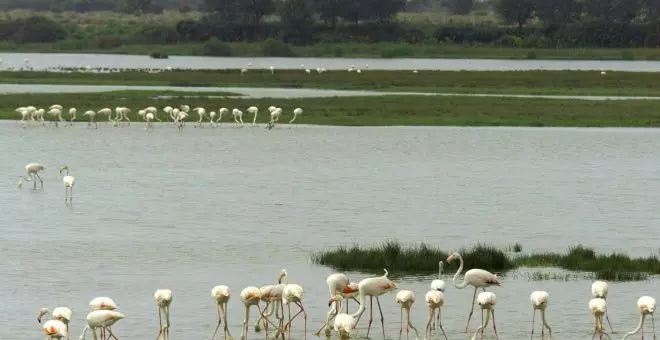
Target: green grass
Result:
[493, 82]
[354, 50]
[424, 259]
[379, 110]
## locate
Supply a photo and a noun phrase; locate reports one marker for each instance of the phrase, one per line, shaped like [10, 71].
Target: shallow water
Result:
[189, 210]
[40, 61]
[259, 92]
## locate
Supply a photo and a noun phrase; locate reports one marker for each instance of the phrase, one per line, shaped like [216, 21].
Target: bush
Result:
[506, 41]
[108, 42]
[158, 55]
[216, 48]
[396, 51]
[276, 48]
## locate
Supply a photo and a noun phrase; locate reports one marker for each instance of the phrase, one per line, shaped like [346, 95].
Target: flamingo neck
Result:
[362, 305]
[545, 323]
[440, 266]
[636, 330]
[458, 272]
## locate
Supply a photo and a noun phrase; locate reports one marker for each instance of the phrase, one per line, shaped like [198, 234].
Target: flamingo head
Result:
[452, 257]
[282, 275]
[334, 299]
[64, 167]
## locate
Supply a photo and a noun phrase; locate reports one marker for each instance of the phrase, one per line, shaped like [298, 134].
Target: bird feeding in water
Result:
[68, 182]
[31, 175]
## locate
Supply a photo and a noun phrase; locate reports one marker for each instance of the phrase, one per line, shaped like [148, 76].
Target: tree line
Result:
[524, 23]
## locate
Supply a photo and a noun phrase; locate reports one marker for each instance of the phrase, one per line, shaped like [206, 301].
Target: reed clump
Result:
[423, 258]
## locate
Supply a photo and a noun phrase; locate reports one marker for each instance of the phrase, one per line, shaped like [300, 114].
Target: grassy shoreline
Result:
[391, 110]
[424, 259]
[486, 82]
[356, 50]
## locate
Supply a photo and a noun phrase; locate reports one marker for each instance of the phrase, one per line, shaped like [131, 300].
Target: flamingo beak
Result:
[330, 301]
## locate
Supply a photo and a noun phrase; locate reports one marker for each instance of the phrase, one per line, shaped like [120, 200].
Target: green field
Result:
[375, 110]
[423, 259]
[494, 82]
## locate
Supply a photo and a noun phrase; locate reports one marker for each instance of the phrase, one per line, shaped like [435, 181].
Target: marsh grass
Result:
[575, 276]
[423, 258]
[387, 110]
[497, 82]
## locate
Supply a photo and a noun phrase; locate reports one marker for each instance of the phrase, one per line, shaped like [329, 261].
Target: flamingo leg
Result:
[382, 319]
[224, 316]
[474, 297]
[371, 310]
[653, 323]
[430, 319]
[160, 324]
[533, 317]
[112, 335]
[607, 317]
[492, 311]
[219, 322]
[440, 324]
[245, 321]
[401, 322]
[411, 325]
[167, 322]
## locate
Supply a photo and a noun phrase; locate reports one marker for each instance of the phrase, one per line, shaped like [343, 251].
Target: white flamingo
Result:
[254, 111]
[539, 300]
[336, 284]
[405, 299]
[598, 307]
[599, 289]
[57, 115]
[293, 293]
[62, 314]
[274, 117]
[221, 112]
[435, 299]
[55, 329]
[101, 319]
[487, 302]
[106, 111]
[31, 175]
[68, 182]
[202, 114]
[92, 116]
[250, 296]
[72, 114]
[212, 118]
[477, 278]
[24, 115]
[646, 306]
[163, 300]
[154, 110]
[221, 295]
[149, 117]
[238, 117]
[297, 112]
[102, 303]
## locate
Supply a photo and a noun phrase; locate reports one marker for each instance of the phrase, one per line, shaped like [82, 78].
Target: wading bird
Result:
[475, 277]
[68, 182]
[293, 293]
[646, 306]
[102, 303]
[439, 283]
[92, 116]
[539, 300]
[102, 319]
[31, 175]
[163, 300]
[297, 112]
[599, 289]
[405, 299]
[254, 111]
[149, 117]
[598, 307]
[434, 300]
[344, 323]
[336, 283]
[61, 314]
[487, 302]
[55, 329]
[375, 287]
[250, 296]
[221, 295]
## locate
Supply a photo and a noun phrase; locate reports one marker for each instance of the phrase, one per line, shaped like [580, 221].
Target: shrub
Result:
[216, 48]
[276, 48]
[158, 55]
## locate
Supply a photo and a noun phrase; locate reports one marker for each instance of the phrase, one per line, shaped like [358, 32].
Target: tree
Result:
[240, 11]
[384, 10]
[460, 7]
[330, 10]
[138, 6]
[297, 20]
[515, 11]
[614, 11]
[558, 12]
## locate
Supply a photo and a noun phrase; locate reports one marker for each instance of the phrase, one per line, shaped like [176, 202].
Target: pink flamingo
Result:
[477, 278]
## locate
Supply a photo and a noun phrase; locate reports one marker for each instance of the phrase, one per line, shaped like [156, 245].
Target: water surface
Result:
[189, 210]
[41, 61]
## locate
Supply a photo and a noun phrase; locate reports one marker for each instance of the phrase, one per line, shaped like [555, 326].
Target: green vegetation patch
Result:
[423, 258]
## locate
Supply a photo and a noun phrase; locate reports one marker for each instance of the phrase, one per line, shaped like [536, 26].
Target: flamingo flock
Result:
[31, 115]
[104, 312]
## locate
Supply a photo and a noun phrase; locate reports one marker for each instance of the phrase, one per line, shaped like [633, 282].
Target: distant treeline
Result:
[525, 23]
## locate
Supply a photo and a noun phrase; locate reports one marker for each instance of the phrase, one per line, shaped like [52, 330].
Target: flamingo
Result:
[149, 117]
[221, 112]
[598, 307]
[57, 114]
[345, 323]
[243, 70]
[599, 289]
[337, 282]
[646, 306]
[106, 111]
[68, 181]
[39, 116]
[221, 295]
[250, 296]
[163, 299]
[272, 295]
[238, 116]
[202, 114]
[55, 329]
[212, 115]
[406, 298]
[24, 116]
[72, 113]
[434, 300]
[61, 314]
[274, 117]
[487, 301]
[292, 293]
[92, 115]
[254, 111]
[56, 106]
[373, 287]
[474, 277]
[298, 111]
[102, 303]
[31, 175]
[122, 114]
[154, 111]
[102, 319]
[539, 300]
[439, 284]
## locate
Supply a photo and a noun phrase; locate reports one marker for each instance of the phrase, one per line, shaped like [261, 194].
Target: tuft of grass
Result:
[424, 259]
[420, 258]
[495, 82]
